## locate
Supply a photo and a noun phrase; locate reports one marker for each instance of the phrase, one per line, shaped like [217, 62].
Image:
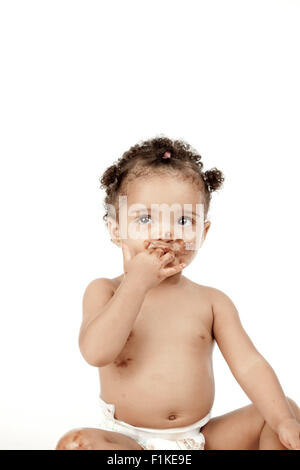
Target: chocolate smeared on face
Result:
[177, 246]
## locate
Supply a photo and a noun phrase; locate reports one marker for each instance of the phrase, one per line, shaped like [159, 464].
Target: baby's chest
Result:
[174, 315]
[166, 330]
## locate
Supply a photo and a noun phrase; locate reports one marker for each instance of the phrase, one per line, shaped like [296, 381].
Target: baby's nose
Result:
[167, 236]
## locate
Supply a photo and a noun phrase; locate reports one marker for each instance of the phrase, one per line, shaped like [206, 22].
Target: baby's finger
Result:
[167, 258]
[174, 270]
[286, 443]
[146, 243]
[283, 440]
[295, 442]
[157, 251]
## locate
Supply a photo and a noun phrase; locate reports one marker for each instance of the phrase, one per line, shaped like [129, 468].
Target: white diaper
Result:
[185, 437]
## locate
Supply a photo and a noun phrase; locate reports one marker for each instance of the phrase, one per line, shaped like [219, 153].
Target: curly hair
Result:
[146, 158]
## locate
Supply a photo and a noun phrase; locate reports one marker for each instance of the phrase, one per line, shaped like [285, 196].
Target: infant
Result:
[151, 331]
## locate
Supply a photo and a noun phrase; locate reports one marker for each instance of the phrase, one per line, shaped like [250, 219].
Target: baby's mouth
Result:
[178, 246]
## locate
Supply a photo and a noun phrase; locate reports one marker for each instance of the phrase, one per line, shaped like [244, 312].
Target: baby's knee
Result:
[76, 439]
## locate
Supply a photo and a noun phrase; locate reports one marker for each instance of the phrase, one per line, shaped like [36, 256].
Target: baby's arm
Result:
[248, 366]
[108, 318]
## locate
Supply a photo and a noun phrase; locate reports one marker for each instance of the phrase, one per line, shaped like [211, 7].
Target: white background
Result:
[82, 81]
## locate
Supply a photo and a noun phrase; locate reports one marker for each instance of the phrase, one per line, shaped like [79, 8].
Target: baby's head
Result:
[157, 177]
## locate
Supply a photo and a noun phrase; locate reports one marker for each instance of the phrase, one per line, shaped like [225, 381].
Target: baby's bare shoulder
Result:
[203, 289]
[100, 283]
[98, 290]
[214, 295]
[222, 305]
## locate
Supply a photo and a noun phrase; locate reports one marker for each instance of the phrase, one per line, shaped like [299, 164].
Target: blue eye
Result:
[143, 217]
[149, 218]
[187, 218]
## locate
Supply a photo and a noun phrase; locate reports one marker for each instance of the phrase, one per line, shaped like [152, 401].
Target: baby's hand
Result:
[149, 266]
[289, 433]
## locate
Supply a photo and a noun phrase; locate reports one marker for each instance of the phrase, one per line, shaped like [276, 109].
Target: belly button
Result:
[172, 417]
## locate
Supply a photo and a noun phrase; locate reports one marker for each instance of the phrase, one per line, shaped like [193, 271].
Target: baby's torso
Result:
[163, 377]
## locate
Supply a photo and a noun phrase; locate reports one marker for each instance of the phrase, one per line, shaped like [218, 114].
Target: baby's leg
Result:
[96, 439]
[239, 429]
[243, 429]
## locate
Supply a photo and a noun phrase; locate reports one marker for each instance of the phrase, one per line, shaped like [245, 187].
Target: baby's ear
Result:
[207, 225]
[113, 229]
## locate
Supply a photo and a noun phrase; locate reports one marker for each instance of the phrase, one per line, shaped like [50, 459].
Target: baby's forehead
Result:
[161, 191]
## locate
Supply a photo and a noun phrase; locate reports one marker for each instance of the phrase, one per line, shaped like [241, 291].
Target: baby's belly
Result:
[171, 389]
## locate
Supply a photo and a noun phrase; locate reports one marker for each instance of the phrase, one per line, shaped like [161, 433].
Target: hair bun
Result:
[109, 177]
[213, 178]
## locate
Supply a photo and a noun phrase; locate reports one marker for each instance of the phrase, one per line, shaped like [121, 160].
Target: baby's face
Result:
[165, 210]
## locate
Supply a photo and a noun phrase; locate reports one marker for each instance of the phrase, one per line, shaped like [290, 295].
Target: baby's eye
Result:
[147, 217]
[186, 218]
[143, 217]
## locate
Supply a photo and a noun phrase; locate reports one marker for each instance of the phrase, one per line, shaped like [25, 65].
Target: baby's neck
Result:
[174, 280]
